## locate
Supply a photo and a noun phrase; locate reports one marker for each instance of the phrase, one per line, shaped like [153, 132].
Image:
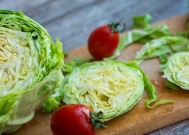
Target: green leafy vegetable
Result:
[161, 46]
[141, 36]
[110, 87]
[71, 65]
[142, 21]
[30, 68]
[171, 85]
[150, 90]
[175, 67]
[65, 53]
[176, 70]
[163, 58]
[187, 29]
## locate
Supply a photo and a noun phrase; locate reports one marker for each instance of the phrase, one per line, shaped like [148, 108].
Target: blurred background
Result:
[73, 20]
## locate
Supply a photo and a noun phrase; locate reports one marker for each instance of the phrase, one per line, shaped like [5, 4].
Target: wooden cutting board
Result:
[139, 120]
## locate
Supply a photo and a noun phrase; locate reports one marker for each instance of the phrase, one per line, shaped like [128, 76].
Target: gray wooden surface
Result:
[72, 21]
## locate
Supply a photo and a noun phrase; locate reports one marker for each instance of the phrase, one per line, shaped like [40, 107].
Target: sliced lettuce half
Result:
[177, 70]
[30, 69]
[110, 87]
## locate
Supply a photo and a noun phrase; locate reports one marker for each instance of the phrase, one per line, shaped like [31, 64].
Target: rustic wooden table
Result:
[72, 21]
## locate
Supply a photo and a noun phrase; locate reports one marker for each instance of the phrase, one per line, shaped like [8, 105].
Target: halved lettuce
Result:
[110, 87]
[30, 68]
[177, 69]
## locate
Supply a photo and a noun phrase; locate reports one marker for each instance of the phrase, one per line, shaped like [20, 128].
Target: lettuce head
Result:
[30, 68]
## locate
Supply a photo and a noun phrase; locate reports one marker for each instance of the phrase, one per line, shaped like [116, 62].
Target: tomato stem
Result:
[95, 120]
[115, 26]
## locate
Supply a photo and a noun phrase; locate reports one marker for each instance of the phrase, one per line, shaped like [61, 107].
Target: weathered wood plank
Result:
[180, 128]
[22, 5]
[74, 28]
[72, 20]
[57, 9]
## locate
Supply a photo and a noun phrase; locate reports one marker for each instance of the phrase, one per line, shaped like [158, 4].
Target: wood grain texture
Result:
[72, 20]
[139, 120]
[83, 21]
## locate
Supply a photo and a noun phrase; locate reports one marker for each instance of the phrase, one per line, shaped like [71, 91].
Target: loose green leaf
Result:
[163, 58]
[139, 35]
[142, 21]
[161, 46]
[71, 65]
[150, 90]
[145, 39]
[161, 102]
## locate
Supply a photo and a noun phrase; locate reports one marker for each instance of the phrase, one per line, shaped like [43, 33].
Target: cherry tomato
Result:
[104, 40]
[73, 119]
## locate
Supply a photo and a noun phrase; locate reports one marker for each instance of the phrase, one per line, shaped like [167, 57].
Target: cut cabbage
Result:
[177, 69]
[110, 87]
[30, 68]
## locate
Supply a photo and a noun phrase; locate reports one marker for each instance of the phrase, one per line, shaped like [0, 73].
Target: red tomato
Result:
[72, 119]
[104, 40]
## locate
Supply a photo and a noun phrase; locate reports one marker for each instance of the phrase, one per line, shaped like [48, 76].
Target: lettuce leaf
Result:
[161, 46]
[110, 87]
[142, 21]
[141, 36]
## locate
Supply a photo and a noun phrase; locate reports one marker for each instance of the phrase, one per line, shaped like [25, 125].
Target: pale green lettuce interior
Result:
[109, 86]
[177, 69]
